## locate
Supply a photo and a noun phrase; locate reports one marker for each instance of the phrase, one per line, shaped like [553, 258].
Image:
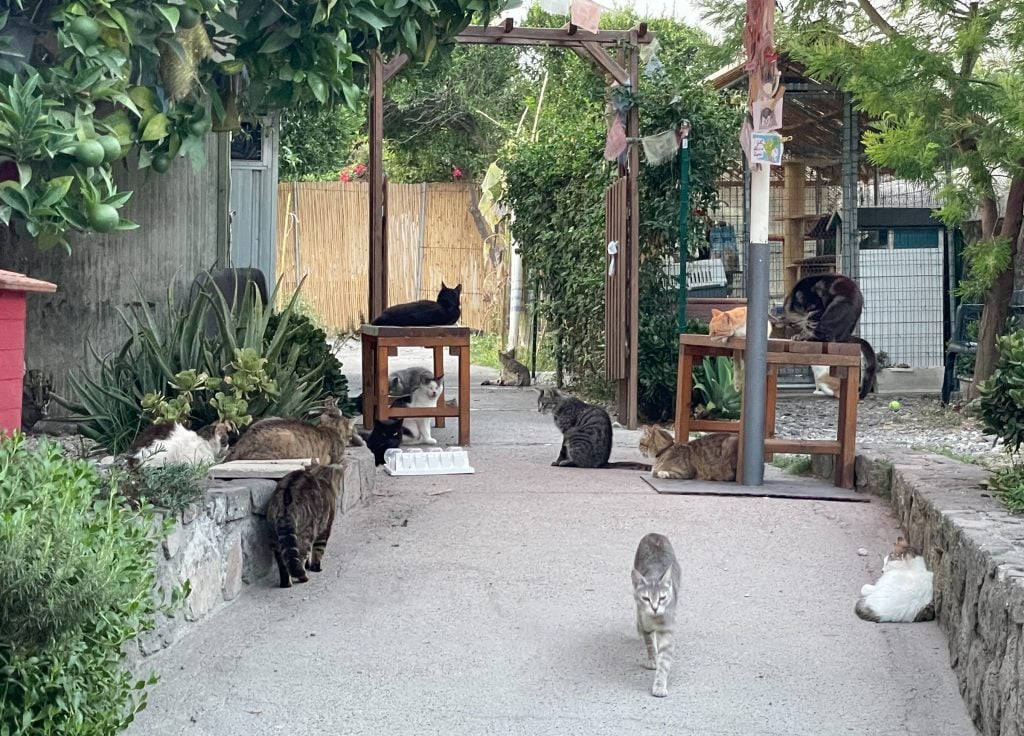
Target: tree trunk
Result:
[997, 299]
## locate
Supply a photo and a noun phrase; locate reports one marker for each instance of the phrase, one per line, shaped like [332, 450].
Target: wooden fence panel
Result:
[432, 236]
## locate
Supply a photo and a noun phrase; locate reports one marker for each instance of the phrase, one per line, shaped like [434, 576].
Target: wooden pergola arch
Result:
[622, 304]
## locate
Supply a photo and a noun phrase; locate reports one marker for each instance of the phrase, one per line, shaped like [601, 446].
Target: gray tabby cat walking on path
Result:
[586, 432]
[301, 513]
[656, 591]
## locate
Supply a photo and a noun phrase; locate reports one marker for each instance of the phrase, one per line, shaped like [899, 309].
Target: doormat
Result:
[777, 484]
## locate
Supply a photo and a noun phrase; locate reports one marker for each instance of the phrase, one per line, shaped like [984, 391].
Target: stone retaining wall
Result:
[976, 550]
[221, 545]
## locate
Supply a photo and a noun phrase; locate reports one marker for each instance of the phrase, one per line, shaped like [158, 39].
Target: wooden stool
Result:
[844, 361]
[380, 343]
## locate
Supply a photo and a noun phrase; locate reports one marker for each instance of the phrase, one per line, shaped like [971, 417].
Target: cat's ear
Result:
[716, 312]
[638, 579]
[666, 577]
[458, 289]
[443, 287]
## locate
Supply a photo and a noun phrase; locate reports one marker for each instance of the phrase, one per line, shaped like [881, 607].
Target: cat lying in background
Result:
[586, 431]
[656, 577]
[301, 513]
[281, 439]
[172, 444]
[904, 592]
[711, 457]
[425, 312]
[513, 373]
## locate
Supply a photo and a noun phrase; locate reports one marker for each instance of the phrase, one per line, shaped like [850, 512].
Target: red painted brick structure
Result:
[13, 287]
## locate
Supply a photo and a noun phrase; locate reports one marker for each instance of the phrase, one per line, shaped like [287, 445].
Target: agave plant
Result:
[250, 363]
[716, 390]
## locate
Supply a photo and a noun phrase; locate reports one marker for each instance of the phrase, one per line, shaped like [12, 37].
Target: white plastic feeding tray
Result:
[435, 461]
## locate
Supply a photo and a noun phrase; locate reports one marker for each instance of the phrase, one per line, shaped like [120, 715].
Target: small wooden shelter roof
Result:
[13, 281]
[812, 116]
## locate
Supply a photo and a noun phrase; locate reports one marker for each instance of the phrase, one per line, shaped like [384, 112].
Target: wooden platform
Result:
[380, 343]
[842, 357]
[777, 484]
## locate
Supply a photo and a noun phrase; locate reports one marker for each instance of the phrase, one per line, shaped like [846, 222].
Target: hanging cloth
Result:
[661, 147]
[616, 143]
[586, 14]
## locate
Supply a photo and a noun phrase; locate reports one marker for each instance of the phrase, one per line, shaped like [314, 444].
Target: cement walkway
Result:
[502, 605]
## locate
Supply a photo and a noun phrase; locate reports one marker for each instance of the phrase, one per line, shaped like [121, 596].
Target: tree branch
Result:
[881, 23]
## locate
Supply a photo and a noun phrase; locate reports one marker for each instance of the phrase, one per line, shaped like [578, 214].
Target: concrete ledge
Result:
[976, 550]
[221, 545]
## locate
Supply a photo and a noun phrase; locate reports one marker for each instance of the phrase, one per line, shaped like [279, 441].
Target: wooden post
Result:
[628, 387]
[378, 266]
[793, 245]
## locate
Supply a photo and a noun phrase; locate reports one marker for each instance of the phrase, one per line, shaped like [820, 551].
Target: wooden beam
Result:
[497, 35]
[605, 62]
[395, 65]
[378, 263]
[631, 257]
[793, 245]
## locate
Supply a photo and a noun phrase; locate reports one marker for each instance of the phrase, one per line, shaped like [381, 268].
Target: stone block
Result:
[260, 491]
[190, 512]
[216, 507]
[176, 539]
[257, 557]
[350, 493]
[232, 585]
[204, 581]
[823, 466]
[238, 502]
[873, 473]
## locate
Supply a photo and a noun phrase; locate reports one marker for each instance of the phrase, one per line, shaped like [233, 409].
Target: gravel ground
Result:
[921, 422]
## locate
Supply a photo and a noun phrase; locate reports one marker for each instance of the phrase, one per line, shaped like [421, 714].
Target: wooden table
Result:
[842, 357]
[380, 343]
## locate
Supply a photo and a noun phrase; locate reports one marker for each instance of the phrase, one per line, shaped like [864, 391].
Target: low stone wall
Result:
[976, 550]
[221, 545]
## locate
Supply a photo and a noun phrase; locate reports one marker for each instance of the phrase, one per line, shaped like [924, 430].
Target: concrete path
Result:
[500, 603]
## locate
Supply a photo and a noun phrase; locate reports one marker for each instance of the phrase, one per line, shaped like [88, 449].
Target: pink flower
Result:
[456, 173]
[360, 169]
[344, 176]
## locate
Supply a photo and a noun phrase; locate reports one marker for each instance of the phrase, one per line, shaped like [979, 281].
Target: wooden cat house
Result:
[13, 288]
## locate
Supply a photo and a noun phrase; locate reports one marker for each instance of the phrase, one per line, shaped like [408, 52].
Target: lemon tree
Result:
[87, 83]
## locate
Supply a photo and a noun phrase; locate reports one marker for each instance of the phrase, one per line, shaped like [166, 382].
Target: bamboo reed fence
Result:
[435, 234]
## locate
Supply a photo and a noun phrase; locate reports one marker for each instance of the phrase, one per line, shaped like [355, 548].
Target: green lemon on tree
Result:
[161, 162]
[102, 217]
[199, 128]
[85, 28]
[209, 5]
[89, 152]
[111, 147]
[189, 18]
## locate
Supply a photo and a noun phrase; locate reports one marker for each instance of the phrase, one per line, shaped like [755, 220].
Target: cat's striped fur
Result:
[711, 457]
[280, 439]
[586, 431]
[656, 576]
[301, 513]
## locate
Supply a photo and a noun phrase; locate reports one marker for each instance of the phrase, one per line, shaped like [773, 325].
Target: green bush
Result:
[1002, 394]
[175, 353]
[77, 582]
[715, 391]
[316, 355]
[1008, 483]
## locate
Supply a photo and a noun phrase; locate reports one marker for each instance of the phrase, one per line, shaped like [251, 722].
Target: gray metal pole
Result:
[755, 364]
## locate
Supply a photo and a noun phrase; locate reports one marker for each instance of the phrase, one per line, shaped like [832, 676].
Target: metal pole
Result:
[756, 358]
[684, 216]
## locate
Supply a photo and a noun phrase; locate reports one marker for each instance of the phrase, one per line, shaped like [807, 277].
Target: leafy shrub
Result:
[715, 390]
[1008, 483]
[171, 487]
[77, 575]
[1002, 394]
[250, 358]
[316, 355]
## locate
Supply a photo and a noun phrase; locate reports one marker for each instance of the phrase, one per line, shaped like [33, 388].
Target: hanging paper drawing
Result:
[586, 14]
[616, 142]
[768, 113]
[766, 148]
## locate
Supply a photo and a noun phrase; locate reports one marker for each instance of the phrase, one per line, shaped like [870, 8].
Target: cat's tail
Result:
[925, 614]
[287, 540]
[867, 381]
[863, 610]
[627, 466]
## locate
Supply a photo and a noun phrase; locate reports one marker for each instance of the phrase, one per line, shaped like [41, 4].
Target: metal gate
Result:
[615, 307]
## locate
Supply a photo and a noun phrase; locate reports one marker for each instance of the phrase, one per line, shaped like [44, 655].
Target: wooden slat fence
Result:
[433, 235]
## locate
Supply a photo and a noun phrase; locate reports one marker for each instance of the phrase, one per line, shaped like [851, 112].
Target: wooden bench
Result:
[844, 361]
[380, 343]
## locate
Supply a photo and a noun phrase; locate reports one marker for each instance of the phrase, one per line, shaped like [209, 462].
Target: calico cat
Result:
[416, 386]
[385, 436]
[171, 444]
[827, 308]
[279, 439]
[732, 323]
[904, 592]
[301, 513]
[424, 313]
[586, 432]
[656, 576]
[513, 373]
[711, 457]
